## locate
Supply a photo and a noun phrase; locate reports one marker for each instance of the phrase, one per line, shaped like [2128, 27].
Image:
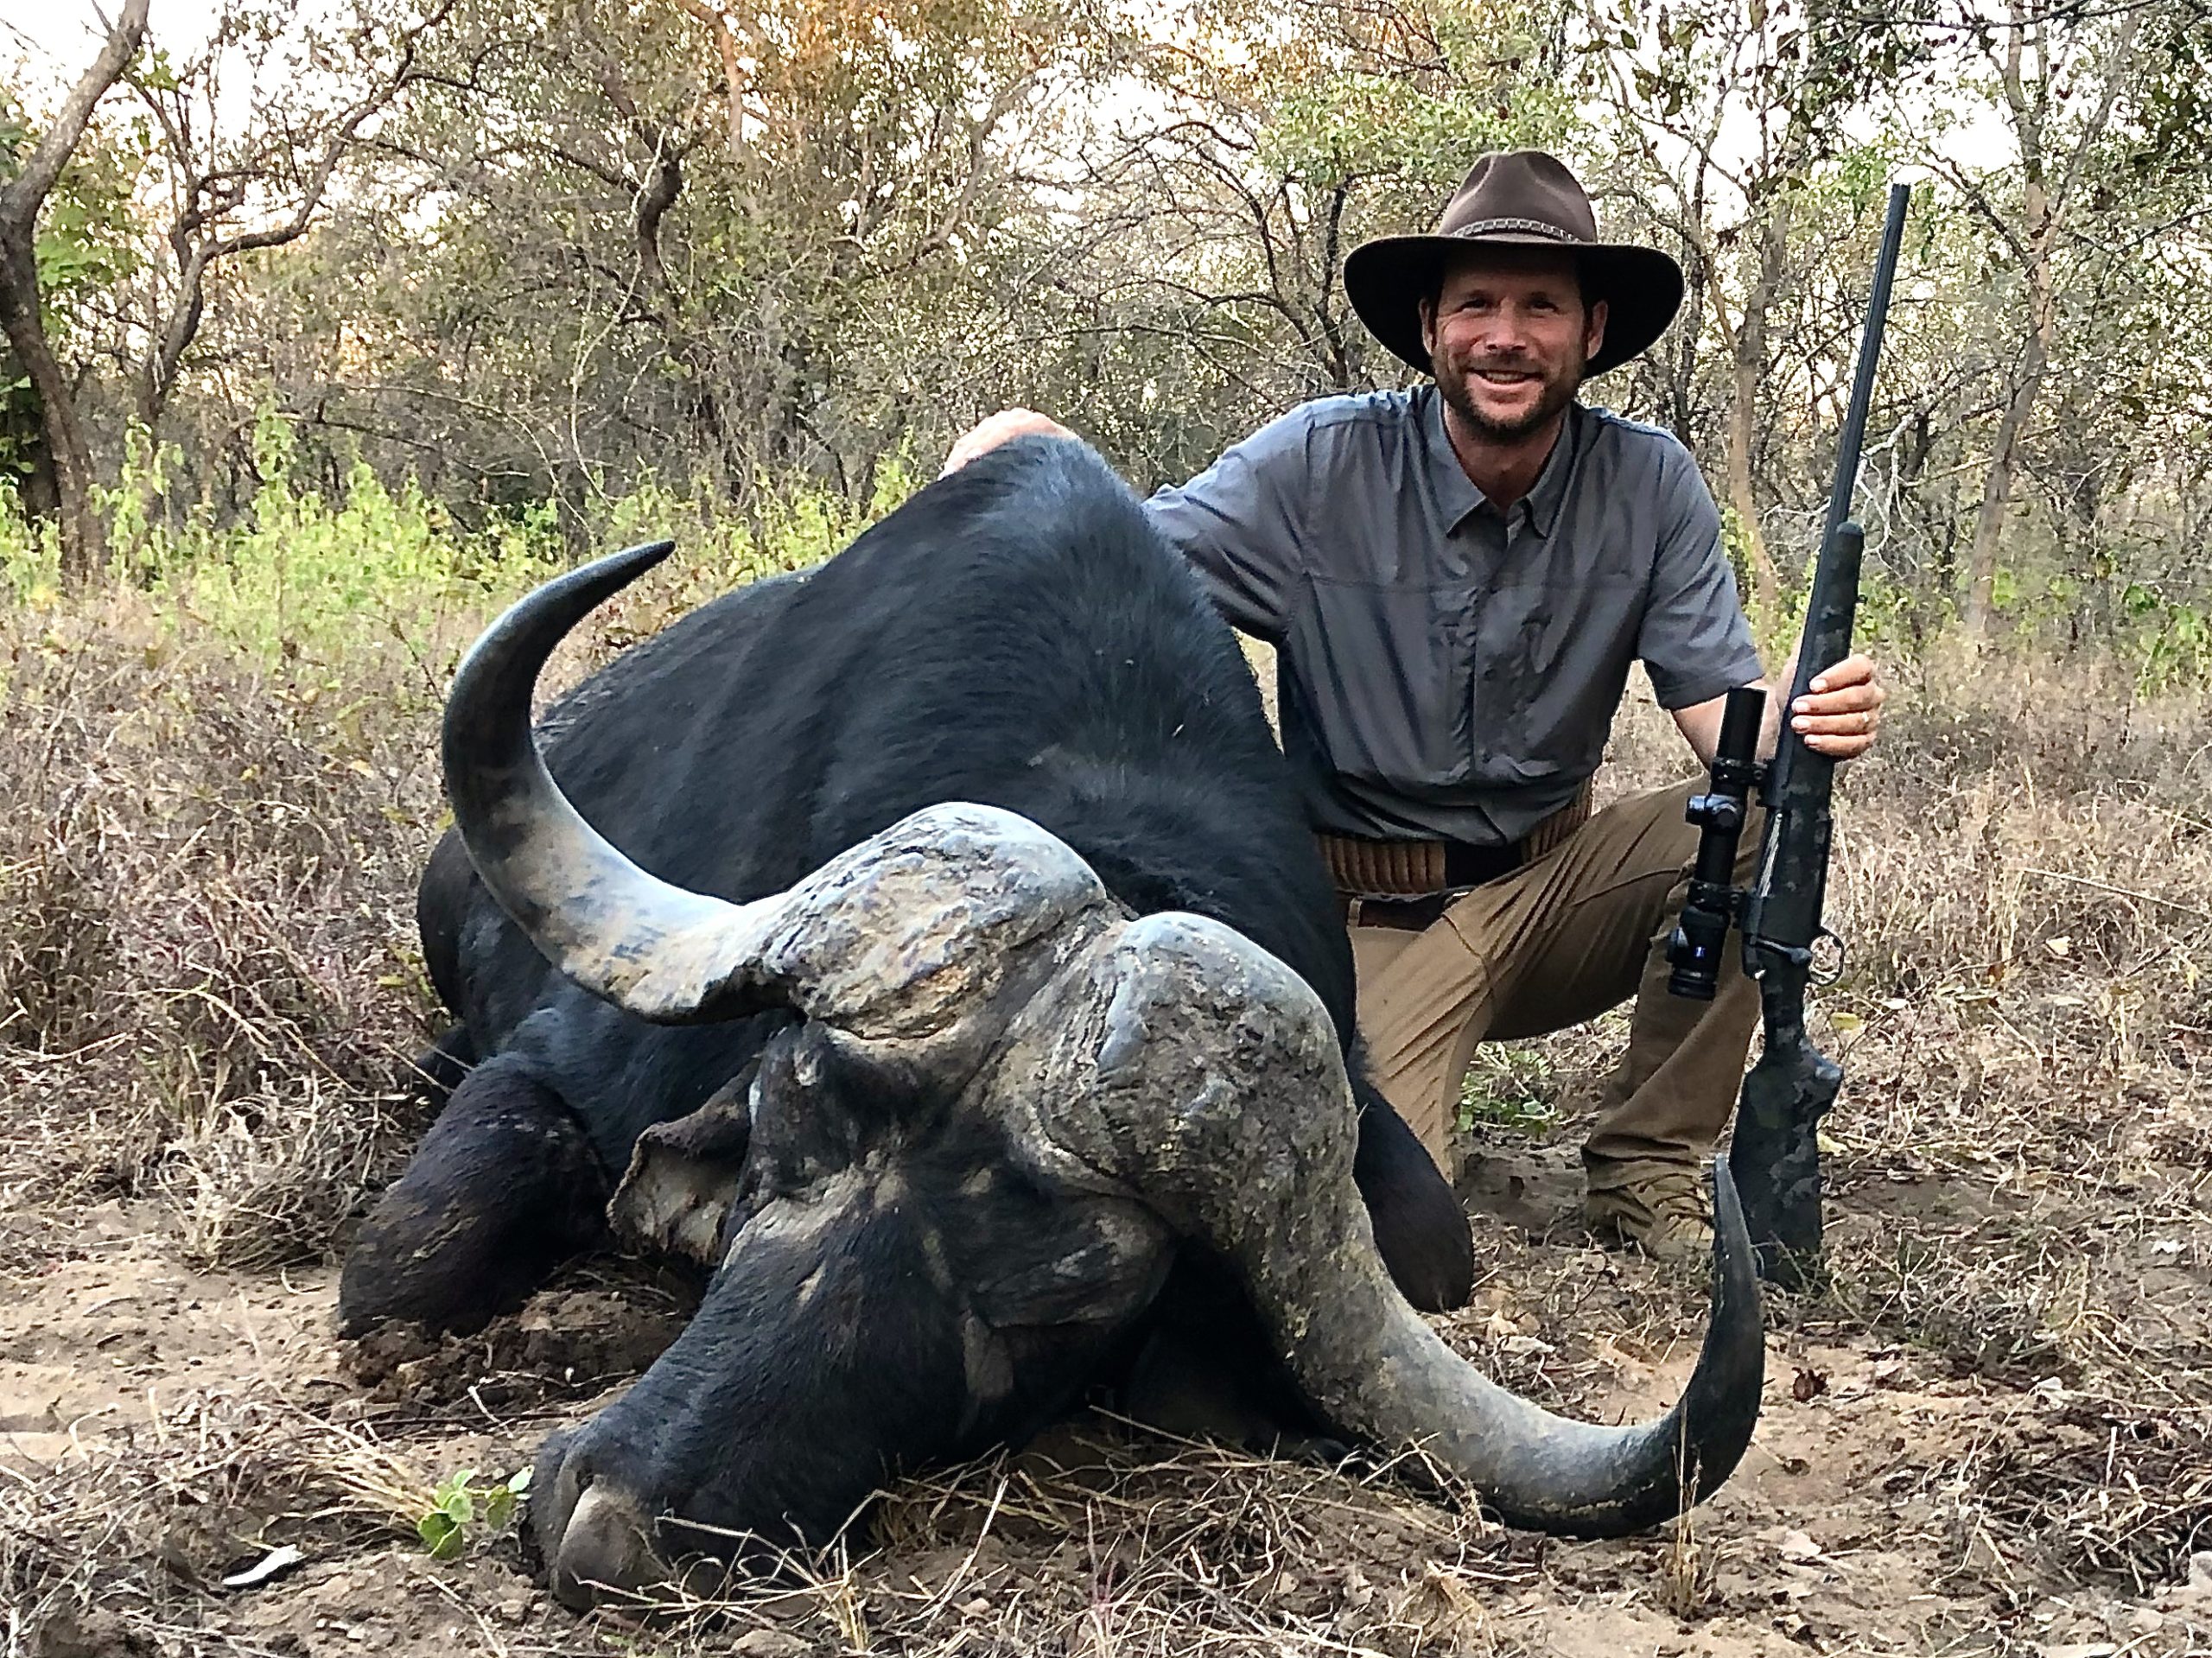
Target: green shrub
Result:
[30, 555]
[306, 576]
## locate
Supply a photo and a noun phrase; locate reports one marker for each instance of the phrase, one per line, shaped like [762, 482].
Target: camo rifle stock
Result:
[1776, 1154]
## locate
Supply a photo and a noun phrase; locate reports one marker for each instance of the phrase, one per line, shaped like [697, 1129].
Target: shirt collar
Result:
[1456, 492]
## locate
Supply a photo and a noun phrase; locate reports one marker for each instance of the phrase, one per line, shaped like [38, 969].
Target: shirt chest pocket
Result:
[1384, 673]
[1551, 659]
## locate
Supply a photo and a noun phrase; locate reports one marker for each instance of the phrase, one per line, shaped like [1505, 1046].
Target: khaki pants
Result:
[1556, 943]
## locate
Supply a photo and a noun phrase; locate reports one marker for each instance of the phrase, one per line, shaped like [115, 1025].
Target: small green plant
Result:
[461, 1505]
[30, 555]
[2171, 642]
[1511, 1087]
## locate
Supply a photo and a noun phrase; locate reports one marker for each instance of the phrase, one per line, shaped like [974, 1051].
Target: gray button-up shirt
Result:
[1446, 669]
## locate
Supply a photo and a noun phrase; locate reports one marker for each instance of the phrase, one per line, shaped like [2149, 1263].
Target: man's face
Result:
[1509, 339]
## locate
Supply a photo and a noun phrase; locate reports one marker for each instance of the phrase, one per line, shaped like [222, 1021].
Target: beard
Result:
[1559, 390]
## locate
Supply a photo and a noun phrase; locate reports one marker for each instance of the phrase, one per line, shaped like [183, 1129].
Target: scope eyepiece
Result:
[1701, 936]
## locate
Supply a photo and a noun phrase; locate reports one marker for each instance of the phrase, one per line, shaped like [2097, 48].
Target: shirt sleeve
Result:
[1695, 641]
[1243, 523]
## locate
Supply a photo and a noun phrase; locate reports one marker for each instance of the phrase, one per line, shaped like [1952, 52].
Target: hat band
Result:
[1533, 226]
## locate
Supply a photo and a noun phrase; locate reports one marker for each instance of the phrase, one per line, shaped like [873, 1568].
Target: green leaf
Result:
[441, 1533]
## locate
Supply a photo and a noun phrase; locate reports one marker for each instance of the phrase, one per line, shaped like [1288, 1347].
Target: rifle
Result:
[1775, 1155]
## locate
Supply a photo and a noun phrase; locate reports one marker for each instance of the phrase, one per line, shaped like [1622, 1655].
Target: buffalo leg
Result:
[443, 1066]
[1420, 1229]
[504, 1188]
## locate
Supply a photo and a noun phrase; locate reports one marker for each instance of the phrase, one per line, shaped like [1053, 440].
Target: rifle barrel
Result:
[1852, 440]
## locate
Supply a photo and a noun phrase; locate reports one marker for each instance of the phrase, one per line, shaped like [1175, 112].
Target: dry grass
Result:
[208, 981]
[1100, 1539]
[2021, 1159]
[1096, 1541]
[209, 991]
[143, 1533]
[2028, 888]
[211, 987]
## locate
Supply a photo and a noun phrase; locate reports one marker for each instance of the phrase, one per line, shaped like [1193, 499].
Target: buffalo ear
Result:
[683, 1176]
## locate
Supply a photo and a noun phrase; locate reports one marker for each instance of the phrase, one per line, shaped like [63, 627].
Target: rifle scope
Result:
[1694, 951]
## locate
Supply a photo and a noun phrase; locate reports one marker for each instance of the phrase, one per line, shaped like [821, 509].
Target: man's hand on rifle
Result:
[1841, 710]
[1837, 717]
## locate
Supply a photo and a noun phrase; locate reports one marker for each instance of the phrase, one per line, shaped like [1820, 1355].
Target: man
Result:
[1457, 579]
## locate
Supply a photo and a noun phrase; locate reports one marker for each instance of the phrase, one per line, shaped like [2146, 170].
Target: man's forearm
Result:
[1699, 724]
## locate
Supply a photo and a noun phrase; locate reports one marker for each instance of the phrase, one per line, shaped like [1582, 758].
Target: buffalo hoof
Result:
[504, 1188]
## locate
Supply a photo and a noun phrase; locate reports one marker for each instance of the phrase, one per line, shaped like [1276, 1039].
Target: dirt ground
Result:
[163, 1428]
[1991, 1433]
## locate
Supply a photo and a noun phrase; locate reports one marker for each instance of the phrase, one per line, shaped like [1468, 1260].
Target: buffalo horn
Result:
[894, 938]
[1249, 1146]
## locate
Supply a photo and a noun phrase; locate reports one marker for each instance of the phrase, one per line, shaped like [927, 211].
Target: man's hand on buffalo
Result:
[1842, 709]
[994, 429]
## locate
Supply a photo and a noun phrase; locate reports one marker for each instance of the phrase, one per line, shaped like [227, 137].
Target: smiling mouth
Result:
[1505, 378]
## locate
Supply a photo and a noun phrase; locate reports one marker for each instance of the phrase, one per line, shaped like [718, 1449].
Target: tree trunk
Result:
[1747, 366]
[84, 543]
[23, 435]
[2046, 195]
[1997, 492]
[40, 491]
[1743, 421]
[2004, 453]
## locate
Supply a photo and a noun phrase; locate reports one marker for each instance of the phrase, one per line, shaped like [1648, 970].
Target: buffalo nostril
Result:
[603, 1549]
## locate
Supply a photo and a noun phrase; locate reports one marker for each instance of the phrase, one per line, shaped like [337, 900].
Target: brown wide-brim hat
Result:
[1517, 198]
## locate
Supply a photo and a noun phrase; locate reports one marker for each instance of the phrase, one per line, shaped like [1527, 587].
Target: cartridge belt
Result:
[1409, 883]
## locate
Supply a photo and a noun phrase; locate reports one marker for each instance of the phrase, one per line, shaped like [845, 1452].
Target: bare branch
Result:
[22, 195]
[210, 197]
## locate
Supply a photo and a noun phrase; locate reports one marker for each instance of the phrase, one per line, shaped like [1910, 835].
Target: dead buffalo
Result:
[966, 994]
